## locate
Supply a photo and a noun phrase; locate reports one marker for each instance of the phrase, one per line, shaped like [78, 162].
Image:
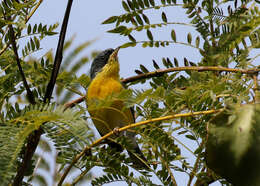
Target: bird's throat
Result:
[106, 82]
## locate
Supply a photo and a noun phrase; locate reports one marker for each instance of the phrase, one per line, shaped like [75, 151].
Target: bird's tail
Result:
[136, 155]
[138, 159]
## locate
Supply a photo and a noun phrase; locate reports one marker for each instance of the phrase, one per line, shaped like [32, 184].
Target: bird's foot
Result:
[116, 131]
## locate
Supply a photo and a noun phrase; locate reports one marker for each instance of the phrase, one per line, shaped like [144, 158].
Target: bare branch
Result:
[199, 69]
[29, 92]
[74, 102]
[58, 55]
[87, 148]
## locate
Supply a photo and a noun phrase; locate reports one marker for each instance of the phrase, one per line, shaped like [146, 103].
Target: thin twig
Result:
[25, 84]
[58, 56]
[256, 89]
[80, 176]
[195, 167]
[74, 102]
[169, 170]
[87, 148]
[173, 42]
[165, 24]
[33, 11]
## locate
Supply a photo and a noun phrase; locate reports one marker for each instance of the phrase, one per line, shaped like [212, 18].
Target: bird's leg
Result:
[116, 131]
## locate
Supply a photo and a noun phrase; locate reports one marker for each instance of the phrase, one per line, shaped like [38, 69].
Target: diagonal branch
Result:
[169, 117]
[29, 92]
[58, 55]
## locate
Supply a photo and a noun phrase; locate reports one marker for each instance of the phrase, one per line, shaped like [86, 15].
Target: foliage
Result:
[235, 144]
[227, 33]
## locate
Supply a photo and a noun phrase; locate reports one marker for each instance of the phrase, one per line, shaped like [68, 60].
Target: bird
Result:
[105, 82]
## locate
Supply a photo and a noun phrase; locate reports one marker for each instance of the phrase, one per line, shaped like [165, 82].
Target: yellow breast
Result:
[100, 88]
[107, 117]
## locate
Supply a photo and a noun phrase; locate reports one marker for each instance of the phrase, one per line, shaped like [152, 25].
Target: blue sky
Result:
[85, 22]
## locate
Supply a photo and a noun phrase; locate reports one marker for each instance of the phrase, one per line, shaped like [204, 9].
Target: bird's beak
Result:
[114, 54]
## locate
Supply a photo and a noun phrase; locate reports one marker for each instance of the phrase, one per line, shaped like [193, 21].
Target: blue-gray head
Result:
[99, 62]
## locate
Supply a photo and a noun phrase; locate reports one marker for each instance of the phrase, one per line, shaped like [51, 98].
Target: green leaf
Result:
[138, 72]
[152, 2]
[129, 44]
[130, 4]
[125, 6]
[186, 63]
[146, 3]
[119, 29]
[32, 44]
[51, 33]
[135, 4]
[35, 28]
[131, 38]
[29, 29]
[173, 35]
[149, 35]
[140, 3]
[189, 38]
[197, 42]
[111, 19]
[146, 19]
[139, 20]
[37, 42]
[144, 69]
[156, 66]
[40, 28]
[190, 137]
[164, 18]
[176, 62]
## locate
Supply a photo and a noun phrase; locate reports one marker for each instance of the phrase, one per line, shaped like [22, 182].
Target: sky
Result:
[85, 23]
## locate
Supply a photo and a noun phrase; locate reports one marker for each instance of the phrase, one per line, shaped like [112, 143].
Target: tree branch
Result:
[87, 148]
[163, 71]
[29, 92]
[31, 146]
[74, 102]
[199, 69]
[58, 55]
[34, 138]
[33, 11]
